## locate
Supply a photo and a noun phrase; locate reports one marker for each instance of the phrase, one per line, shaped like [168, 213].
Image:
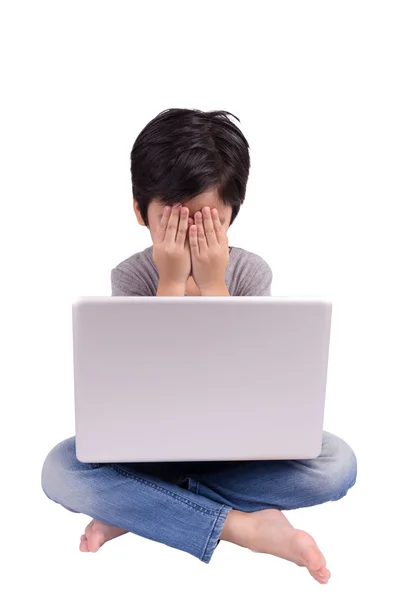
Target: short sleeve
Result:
[260, 283]
[126, 284]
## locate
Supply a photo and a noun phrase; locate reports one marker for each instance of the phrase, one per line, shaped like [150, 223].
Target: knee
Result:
[338, 467]
[57, 466]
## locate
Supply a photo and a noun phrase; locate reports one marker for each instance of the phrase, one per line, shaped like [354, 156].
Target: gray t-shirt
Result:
[247, 274]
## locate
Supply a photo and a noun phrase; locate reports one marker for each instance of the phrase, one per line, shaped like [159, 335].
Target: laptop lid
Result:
[199, 378]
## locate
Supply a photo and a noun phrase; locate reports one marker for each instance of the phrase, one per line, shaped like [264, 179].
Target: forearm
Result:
[167, 288]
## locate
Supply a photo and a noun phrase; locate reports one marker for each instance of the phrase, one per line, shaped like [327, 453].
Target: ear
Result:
[137, 212]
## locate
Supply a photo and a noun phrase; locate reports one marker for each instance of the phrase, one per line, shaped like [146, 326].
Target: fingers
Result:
[201, 238]
[193, 241]
[171, 230]
[175, 223]
[209, 230]
[219, 230]
[160, 231]
[182, 227]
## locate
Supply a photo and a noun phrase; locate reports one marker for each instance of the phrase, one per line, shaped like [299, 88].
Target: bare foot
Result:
[96, 534]
[270, 532]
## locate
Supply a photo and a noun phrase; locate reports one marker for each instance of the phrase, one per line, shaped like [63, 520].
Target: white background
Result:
[316, 86]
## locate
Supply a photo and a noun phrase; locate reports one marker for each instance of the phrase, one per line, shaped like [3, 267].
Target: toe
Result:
[84, 546]
[322, 575]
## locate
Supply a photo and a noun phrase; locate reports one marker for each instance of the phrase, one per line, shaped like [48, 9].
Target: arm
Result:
[168, 289]
[221, 290]
[258, 285]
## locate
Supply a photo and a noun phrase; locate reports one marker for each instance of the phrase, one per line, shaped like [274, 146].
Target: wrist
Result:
[170, 288]
[218, 289]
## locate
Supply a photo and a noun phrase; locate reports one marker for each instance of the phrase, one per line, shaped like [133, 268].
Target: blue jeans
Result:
[184, 505]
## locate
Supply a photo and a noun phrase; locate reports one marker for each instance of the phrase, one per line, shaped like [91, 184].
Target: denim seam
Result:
[206, 549]
[197, 507]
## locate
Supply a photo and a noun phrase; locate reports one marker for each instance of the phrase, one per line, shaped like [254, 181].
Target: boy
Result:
[189, 175]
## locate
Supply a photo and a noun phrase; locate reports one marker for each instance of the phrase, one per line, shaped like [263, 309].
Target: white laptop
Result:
[199, 378]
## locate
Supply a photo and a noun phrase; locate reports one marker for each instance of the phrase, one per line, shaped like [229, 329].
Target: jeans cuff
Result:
[213, 538]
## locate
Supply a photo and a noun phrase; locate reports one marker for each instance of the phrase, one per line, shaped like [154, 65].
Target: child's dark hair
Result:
[182, 153]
